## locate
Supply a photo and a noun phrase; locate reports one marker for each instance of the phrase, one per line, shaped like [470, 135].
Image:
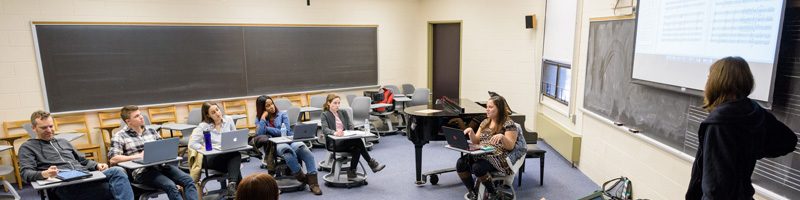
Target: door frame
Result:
[460, 51]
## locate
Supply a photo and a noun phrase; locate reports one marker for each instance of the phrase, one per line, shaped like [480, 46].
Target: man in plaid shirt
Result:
[128, 144]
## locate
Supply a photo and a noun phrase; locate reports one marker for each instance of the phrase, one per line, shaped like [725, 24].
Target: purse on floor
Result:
[615, 189]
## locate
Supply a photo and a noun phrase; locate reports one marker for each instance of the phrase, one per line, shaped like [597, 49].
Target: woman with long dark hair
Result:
[268, 124]
[497, 130]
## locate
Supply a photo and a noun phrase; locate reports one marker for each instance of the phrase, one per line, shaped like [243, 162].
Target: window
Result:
[556, 78]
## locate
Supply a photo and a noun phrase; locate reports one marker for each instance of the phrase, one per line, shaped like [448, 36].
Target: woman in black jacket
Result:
[334, 122]
[736, 133]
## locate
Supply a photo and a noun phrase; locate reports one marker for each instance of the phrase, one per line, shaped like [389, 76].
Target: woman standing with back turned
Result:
[736, 133]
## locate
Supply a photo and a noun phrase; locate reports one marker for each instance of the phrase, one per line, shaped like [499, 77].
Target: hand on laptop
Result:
[101, 166]
[468, 131]
[50, 172]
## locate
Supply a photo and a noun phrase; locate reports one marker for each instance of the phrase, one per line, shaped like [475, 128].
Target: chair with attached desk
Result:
[163, 114]
[15, 130]
[109, 120]
[283, 103]
[361, 117]
[239, 107]
[325, 165]
[515, 160]
[408, 89]
[78, 124]
[338, 176]
[420, 97]
[317, 101]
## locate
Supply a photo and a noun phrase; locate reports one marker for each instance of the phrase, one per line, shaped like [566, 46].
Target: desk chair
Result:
[408, 89]
[239, 107]
[337, 176]
[194, 118]
[319, 102]
[109, 120]
[280, 170]
[64, 122]
[325, 165]
[361, 116]
[350, 98]
[393, 88]
[420, 97]
[283, 103]
[12, 130]
[144, 192]
[515, 160]
[193, 106]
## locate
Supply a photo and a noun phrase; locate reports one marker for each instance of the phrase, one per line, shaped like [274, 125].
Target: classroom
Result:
[603, 99]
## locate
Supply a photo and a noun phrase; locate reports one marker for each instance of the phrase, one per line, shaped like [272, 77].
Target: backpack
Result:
[387, 97]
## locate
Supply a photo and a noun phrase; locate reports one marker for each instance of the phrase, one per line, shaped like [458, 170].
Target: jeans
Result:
[115, 186]
[291, 152]
[165, 178]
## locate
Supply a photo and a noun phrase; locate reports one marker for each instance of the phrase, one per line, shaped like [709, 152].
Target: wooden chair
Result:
[238, 107]
[194, 105]
[109, 120]
[14, 130]
[161, 115]
[78, 123]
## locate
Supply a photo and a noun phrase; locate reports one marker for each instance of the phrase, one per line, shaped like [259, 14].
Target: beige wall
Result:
[497, 53]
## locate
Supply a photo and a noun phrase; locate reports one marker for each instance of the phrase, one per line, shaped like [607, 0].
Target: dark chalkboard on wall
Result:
[673, 118]
[92, 66]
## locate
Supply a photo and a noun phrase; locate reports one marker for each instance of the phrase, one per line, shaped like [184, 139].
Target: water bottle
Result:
[207, 138]
[366, 126]
[283, 130]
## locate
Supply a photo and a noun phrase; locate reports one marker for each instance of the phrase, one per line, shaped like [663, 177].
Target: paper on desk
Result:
[429, 111]
[50, 180]
[350, 133]
[281, 139]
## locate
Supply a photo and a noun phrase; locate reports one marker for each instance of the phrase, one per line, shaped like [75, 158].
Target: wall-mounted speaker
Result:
[530, 21]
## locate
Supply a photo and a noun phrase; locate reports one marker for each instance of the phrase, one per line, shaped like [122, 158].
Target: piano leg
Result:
[418, 157]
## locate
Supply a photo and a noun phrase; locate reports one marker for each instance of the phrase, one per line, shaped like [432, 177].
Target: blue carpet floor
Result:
[396, 181]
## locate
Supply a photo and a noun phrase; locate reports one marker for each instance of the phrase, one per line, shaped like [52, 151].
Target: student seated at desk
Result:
[497, 130]
[216, 124]
[334, 121]
[260, 186]
[268, 122]
[41, 158]
[128, 144]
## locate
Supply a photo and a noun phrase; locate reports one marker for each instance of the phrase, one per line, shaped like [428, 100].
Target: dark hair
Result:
[125, 112]
[204, 111]
[728, 79]
[260, 186]
[260, 108]
[39, 114]
[328, 100]
[503, 113]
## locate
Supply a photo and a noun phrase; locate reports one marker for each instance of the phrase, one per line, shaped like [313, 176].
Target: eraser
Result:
[618, 123]
[633, 130]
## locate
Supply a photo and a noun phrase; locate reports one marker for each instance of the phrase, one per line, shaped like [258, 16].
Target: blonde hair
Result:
[728, 79]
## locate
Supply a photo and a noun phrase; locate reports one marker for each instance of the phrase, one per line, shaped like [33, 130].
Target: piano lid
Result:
[438, 110]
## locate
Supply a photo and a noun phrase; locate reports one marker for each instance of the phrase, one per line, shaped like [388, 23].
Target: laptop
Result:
[159, 150]
[233, 139]
[457, 139]
[303, 131]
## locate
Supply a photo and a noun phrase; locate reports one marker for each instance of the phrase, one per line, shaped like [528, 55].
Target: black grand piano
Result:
[426, 123]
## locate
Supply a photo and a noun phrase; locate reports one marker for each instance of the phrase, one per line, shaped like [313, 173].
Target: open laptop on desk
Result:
[233, 139]
[457, 139]
[301, 131]
[159, 150]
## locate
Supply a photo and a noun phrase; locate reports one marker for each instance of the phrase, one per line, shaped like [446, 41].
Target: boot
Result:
[486, 180]
[351, 174]
[375, 166]
[313, 184]
[301, 177]
[466, 178]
